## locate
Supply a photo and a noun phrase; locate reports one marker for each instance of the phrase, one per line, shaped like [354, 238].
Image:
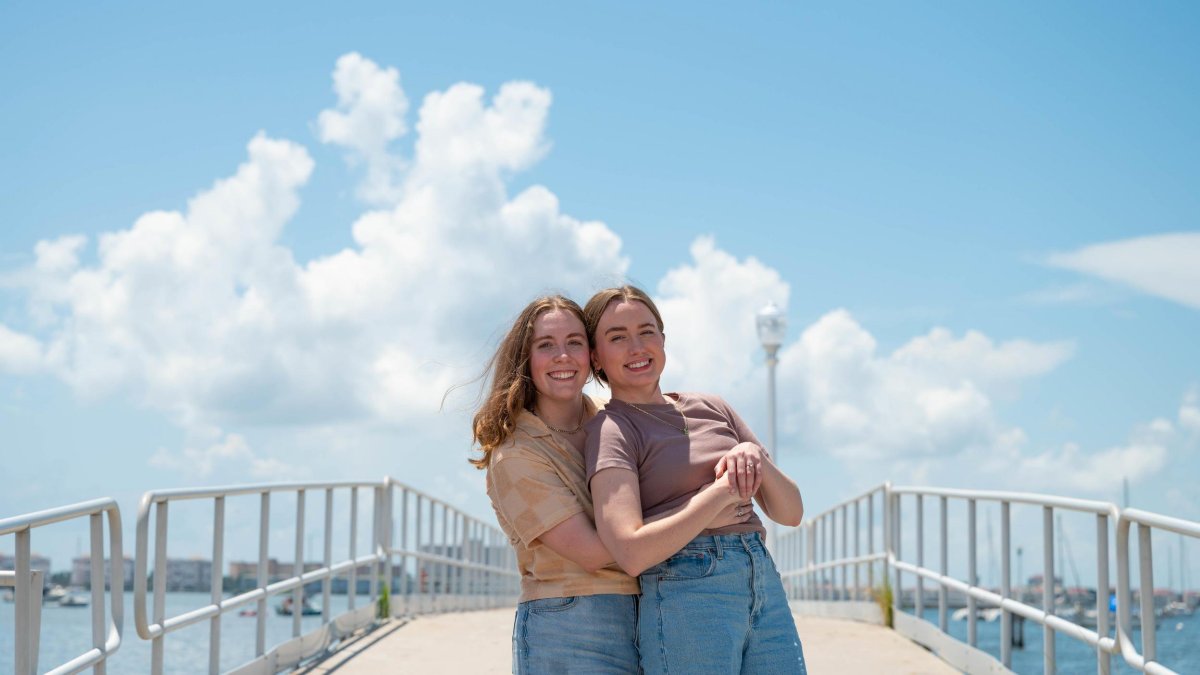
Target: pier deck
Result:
[480, 642]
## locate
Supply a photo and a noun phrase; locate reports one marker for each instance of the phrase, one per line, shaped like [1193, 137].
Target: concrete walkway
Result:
[481, 643]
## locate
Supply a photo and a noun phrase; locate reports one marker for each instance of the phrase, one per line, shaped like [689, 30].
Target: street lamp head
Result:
[772, 326]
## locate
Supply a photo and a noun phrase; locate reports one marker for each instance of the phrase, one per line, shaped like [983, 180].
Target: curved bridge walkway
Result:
[481, 642]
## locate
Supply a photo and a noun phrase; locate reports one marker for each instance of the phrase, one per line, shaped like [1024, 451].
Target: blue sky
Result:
[968, 207]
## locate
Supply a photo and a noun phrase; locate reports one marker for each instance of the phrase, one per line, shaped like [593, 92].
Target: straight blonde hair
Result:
[599, 302]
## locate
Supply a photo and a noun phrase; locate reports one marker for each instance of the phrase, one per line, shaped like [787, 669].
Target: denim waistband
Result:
[744, 540]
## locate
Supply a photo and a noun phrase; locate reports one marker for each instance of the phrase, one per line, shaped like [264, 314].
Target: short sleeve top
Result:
[671, 466]
[536, 481]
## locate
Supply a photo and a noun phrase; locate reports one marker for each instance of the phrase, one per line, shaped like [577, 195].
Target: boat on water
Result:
[75, 598]
[985, 613]
[285, 608]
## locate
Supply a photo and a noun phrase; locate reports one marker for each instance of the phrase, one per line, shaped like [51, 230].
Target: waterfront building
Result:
[36, 562]
[81, 573]
[193, 574]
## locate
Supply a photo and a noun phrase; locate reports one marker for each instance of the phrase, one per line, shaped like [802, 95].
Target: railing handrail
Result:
[104, 643]
[816, 555]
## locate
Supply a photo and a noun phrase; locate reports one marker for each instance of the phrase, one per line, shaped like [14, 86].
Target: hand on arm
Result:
[636, 544]
[777, 494]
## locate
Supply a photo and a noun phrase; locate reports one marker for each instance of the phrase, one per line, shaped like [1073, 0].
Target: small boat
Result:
[285, 608]
[75, 599]
[54, 594]
[988, 614]
[249, 611]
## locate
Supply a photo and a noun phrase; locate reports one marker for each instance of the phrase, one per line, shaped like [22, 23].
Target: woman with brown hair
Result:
[577, 612]
[715, 604]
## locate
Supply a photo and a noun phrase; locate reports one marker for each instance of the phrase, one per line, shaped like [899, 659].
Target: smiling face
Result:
[630, 350]
[559, 357]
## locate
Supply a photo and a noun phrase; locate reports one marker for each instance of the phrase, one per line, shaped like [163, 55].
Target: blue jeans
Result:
[717, 606]
[583, 634]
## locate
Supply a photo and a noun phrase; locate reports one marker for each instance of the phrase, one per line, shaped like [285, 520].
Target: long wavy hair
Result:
[599, 302]
[512, 389]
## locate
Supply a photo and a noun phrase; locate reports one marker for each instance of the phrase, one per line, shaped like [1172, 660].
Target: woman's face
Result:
[629, 347]
[558, 357]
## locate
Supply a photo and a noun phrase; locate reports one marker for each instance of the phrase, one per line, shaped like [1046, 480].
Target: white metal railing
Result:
[444, 559]
[300, 647]
[1146, 523]
[27, 585]
[811, 564]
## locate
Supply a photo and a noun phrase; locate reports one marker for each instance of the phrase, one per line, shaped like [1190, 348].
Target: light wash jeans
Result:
[717, 606]
[583, 634]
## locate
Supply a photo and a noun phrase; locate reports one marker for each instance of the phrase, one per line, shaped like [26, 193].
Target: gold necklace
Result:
[683, 430]
[551, 427]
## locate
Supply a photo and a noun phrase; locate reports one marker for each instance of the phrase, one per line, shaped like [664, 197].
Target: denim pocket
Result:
[551, 604]
[688, 564]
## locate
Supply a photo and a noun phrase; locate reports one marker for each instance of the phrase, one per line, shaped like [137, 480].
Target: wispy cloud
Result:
[1164, 265]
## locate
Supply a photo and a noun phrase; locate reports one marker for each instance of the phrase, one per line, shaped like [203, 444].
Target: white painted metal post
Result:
[216, 591]
[972, 575]
[920, 599]
[1146, 592]
[298, 566]
[24, 661]
[327, 559]
[1048, 656]
[264, 528]
[945, 567]
[160, 584]
[1103, 658]
[1005, 585]
[354, 538]
[96, 523]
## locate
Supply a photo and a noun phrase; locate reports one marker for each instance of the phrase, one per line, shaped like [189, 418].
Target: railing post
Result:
[96, 523]
[354, 549]
[845, 551]
[972, 575]
[945, 566]
[1146, 592]
[327, 558]
[298, 566]
[160, 584]
[215, 585]
[1103, 658]
[1005, 585]
[857, 549]
[1048, 656]
[25, 660]
[895, 521]
[920, 599]
[264, 529]
[871, 541]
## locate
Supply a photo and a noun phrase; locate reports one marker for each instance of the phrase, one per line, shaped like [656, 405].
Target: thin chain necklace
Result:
[551, 427]
[683, 430]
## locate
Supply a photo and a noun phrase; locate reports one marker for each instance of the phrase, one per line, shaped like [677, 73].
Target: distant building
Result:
[36, 562]
[81, 572]
[189, 575]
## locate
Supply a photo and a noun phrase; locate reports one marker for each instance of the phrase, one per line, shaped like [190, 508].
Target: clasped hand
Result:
[745, 462]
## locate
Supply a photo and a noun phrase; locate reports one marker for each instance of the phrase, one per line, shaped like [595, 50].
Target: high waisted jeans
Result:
[717, 606]
[583, 634]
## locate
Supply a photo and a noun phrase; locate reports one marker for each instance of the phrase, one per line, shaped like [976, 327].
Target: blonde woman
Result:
[577, 611]
[716, 603]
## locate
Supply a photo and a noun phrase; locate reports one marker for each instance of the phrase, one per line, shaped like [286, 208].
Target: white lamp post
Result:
[772, 327]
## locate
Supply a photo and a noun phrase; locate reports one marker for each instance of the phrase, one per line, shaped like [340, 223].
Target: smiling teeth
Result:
[562, 376]
[639, 364]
